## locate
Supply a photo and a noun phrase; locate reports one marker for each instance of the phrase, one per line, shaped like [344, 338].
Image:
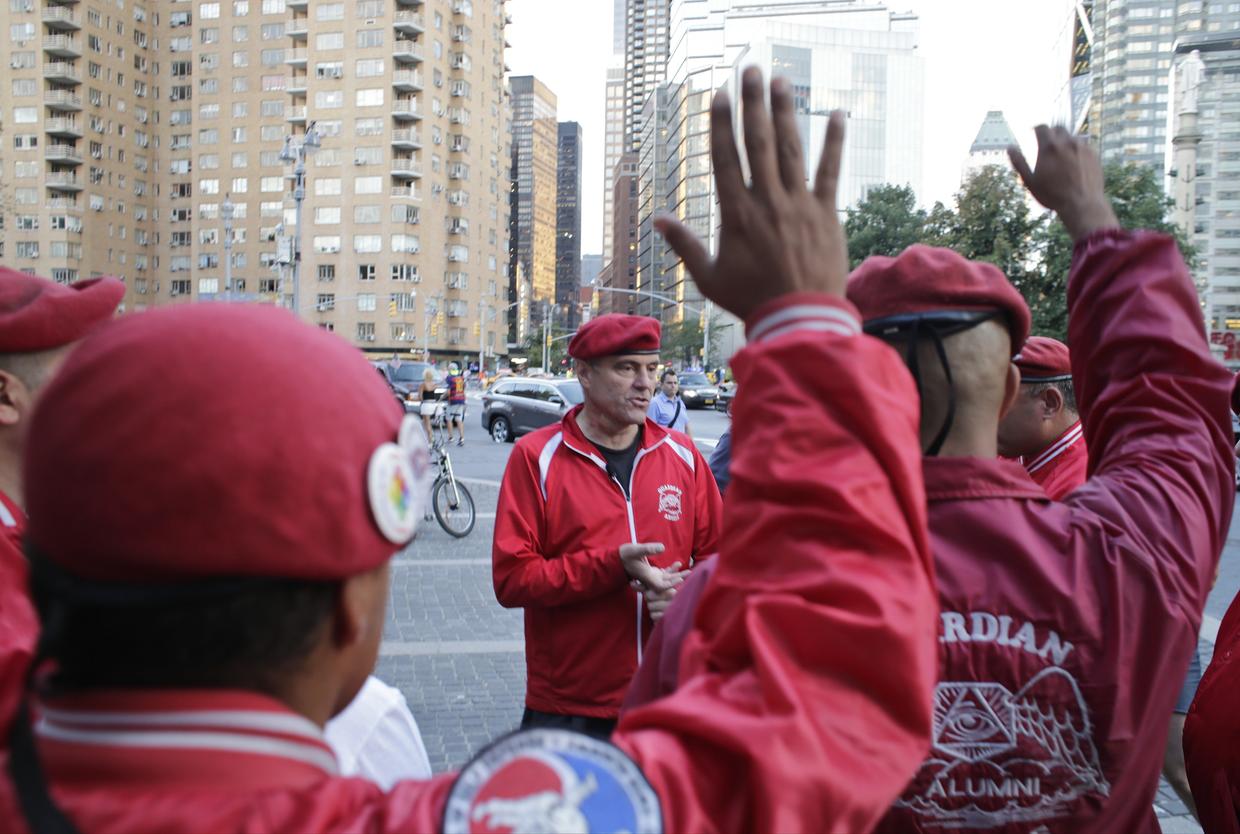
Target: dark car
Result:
[406, 378]
[697, 391]
[517, 404]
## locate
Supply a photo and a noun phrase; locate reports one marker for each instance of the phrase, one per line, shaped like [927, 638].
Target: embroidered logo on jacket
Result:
[554, 781]
[1002, 756]
[669, 502]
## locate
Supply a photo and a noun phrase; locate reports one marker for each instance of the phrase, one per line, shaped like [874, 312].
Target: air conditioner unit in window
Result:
[370, 338]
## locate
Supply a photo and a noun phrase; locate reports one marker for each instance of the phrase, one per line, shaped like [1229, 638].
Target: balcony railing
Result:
[62, 101]
[406, 138]
[62, 46]
[59, 17]
[406, 193]
[63, 72]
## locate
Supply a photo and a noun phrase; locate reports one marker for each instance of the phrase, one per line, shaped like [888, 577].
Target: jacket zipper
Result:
[628, 507]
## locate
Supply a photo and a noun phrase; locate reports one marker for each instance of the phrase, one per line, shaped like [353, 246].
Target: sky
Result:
[979, 55]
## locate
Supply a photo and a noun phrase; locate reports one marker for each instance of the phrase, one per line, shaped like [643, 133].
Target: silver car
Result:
[517, 405]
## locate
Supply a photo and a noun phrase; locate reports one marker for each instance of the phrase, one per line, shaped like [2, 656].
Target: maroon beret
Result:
[1043, 359]
[219, 440]
[38, 314]
[614, 334]
[927, 279]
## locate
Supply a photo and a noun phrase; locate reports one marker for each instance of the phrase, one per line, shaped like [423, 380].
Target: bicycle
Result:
[451, 502]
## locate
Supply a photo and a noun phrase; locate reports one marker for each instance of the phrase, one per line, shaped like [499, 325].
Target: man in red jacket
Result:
[1065, 627]
[200, 650]
[40, 321]
[1043, 428]
[580, 500]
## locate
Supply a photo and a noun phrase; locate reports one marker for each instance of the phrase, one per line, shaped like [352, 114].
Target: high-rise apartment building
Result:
[645, 59]
[613, 144]
[147, 120]
[1131, 55]
[653, 252]
[619, 277]
[856, 56]
[568, 221]
[535, 138]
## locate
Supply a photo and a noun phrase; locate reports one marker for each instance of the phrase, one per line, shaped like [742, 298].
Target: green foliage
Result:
[886, 222]
[1139, 203]
[990, 220]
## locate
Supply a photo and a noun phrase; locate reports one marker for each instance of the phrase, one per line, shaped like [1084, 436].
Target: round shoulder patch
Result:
[552, 782]
[393, 488]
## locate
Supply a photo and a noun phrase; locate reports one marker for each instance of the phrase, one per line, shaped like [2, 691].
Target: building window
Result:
[366, 272]
[327, 272]
[366, 329]
[366, 303]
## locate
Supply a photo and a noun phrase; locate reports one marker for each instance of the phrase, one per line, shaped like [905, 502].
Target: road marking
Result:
[480, 482]
[436, 563]
[1209, 629]
[705, 442]
[397, 648]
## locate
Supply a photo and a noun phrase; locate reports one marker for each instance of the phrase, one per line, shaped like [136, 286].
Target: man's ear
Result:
[1011, 390]
[15, 399]
[1051, 400]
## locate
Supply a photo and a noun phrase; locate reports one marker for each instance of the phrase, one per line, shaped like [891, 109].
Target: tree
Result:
[1139, 203]
[886, 222]
[990, 222]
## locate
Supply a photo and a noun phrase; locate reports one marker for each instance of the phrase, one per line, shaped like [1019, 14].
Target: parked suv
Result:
[516, 405]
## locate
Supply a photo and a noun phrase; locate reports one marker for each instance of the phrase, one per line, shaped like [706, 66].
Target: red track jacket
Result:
[775, 727]
[1062, 466]
[1212, 733]
[558, 530]
[1066, 627]
[19, 626]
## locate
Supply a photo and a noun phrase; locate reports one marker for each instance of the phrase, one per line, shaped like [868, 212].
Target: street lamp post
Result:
[226, 211]
[296, 153]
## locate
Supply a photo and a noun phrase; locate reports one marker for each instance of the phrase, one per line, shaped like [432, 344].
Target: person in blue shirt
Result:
[666, 408]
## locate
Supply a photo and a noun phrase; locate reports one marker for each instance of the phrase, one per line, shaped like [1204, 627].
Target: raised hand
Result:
[777, 236]
[1067, 180]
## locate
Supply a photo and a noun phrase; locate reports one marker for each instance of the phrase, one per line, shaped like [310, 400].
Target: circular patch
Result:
[393, 488]
[551, 781]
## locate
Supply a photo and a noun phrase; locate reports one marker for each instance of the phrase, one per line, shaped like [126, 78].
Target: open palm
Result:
[777, 235]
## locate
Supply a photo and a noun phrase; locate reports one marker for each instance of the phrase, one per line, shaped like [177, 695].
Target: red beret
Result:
[37, 314]
[927, 279]
[613, 334]
[219, 440]
[1043, 359]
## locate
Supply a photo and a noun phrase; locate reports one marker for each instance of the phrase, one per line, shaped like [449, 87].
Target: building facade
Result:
[645, 59]
[613, 143]
[1203, 167]
[149, 119]
[1131, 54]
[568, 221]
[619, 278]
[856, 56]
[535, 139]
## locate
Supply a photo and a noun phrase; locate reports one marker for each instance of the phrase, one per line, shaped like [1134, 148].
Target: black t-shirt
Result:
[620, 461]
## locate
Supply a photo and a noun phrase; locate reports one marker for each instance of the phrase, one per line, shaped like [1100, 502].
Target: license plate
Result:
[708, 402]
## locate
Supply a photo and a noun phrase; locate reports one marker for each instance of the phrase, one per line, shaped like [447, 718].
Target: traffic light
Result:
[392, 308]
[477, 328]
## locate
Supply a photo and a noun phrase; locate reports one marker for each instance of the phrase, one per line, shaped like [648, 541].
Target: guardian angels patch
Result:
[551, 782]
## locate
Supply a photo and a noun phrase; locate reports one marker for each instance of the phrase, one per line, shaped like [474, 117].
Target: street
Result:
[458, 656]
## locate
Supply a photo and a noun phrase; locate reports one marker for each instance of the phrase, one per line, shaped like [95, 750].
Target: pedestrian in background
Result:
[428, 401]
[666, 407]
[455, 381]
[579, 496]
